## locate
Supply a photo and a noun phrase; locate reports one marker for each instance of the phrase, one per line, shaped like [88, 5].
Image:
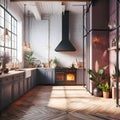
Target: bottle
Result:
[112, 42]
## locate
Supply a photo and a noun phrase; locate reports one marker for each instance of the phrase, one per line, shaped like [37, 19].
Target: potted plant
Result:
[106, 89]
[97, 78]
[5, 58]
[30, 59]
[54, 63]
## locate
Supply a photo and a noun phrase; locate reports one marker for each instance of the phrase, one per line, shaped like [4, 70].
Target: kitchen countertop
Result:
[22, 70]
[12, 72]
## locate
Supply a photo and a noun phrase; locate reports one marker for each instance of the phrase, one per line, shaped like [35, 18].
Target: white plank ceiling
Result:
[47, 8]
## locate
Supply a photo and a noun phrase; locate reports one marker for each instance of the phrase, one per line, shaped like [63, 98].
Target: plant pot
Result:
[97, 92]
[30, 66]
[54, 65]
[6, 70]
[106, 94]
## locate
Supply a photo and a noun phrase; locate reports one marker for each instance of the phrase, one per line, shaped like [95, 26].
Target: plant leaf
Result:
[101, 71]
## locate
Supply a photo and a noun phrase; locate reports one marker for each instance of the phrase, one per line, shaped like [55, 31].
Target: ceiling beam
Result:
[35, 12]
[52, 0]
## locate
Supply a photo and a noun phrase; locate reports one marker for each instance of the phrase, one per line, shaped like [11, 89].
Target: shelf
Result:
[114, 28]
[113, 48]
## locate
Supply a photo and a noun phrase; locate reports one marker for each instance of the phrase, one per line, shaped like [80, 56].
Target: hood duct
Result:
[65, 44]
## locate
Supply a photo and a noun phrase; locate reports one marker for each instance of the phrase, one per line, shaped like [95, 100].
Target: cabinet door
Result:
[47, 79]
[50, 76]
[5, 91]
[28, 83]
[16, 90]
[45, 76]
[22, 78]
[33, 78]
[40, 76]
[25, 85]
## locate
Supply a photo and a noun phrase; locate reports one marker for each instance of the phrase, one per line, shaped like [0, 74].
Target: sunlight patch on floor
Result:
[67, 97]
[77, 98]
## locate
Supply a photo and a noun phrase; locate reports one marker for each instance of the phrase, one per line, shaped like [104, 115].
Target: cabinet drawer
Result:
[6, 80]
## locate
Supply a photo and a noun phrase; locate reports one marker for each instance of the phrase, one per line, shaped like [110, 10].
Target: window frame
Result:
[12, 23]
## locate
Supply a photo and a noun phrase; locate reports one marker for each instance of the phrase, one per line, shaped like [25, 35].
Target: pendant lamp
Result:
[5, 35]
[25, 44]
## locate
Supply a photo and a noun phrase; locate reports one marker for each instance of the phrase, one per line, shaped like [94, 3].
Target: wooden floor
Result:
[61, 103]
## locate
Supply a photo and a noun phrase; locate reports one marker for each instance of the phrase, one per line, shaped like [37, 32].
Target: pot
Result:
[106, 94]
[97, 92]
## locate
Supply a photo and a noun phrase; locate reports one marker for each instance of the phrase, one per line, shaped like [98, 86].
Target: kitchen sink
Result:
[27, 72]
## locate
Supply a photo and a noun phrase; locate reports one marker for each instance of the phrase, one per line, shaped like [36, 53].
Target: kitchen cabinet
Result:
[15, 86]
[27, 84]
[33, 80]
[46, 76]
[21, 84]
[5, 91]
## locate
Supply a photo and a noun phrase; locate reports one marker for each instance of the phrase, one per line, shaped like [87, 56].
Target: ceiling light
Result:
[5, 36]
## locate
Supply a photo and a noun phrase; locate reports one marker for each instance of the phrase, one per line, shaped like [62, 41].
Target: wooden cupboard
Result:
[46, 76]
[15, 85]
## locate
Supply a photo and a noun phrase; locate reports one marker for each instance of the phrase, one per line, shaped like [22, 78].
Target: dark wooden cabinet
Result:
[46, 76]
[27, 84]
[33, 80]
[50, 76]
[21, 83]
[5, 91]
[15, 86]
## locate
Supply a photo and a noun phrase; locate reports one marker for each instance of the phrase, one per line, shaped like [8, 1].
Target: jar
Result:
[112, 42]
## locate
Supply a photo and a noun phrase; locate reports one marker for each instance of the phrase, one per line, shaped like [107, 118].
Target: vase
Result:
[6, 70]
[97, 92]
[54, 65]
[4, 66]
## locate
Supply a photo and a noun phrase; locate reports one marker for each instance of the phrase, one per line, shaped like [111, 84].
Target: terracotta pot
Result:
[106, 94]
[30, 66]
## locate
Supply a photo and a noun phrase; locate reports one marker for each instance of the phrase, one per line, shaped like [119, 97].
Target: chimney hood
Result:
[65, 45]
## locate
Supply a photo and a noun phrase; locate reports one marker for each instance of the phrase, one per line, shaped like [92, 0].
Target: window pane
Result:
[1, 37]
[14, 41]
[13, 25]
[7, 21]
[1, 49]
[14, 54]
[7, 50]
[8, 42]
[7, 17]
[1, 17]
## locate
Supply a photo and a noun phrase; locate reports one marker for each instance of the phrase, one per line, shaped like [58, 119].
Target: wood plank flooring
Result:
[61, 103]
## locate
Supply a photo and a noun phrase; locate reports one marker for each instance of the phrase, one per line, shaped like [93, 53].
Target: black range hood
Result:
[65, 44]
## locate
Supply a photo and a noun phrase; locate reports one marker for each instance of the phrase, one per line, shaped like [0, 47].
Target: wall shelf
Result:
[114, 28]
[113, 48]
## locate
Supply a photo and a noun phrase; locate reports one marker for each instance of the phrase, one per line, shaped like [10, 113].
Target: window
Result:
[8, 21]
